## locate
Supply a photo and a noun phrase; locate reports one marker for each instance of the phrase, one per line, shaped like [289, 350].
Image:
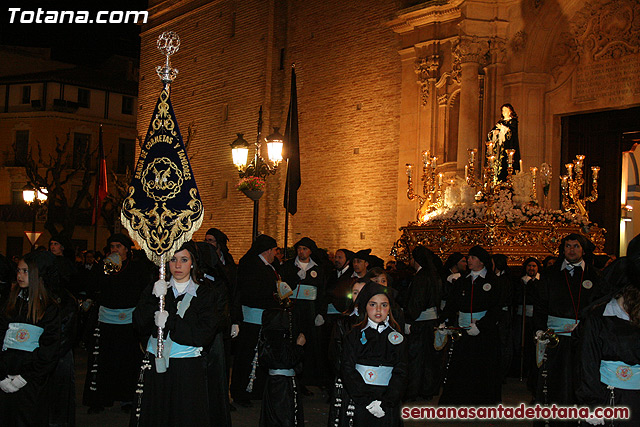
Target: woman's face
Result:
[356, 290]
[23, 274]
[180, 266]
[378, 308]
[380, 280]
[506, 112]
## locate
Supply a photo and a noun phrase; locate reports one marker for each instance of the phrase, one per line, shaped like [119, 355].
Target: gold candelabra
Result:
[572, 186]
[432, 197]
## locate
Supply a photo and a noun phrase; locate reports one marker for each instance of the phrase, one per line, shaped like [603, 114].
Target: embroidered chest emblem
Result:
[587, 284]
[395, 338]
[22, 335]
[486, 287]
[313, 274]
[122, 316]
[370, 375]
[306, 292]
[624, 373]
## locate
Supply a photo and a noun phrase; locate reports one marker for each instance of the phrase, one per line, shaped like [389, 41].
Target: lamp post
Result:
[34, 198]
[258, 167]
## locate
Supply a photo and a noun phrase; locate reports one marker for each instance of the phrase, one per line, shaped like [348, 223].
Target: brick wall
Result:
[348, 72]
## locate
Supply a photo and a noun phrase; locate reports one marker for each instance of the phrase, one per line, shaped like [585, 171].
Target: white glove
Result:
[473, 330]
[235, 330]
[160, 288]
[319, 320]
[442, 329]
[18, 382]
[160, 318]
[375, 409]
[407, 328]
[7, 386]
[538, 338]
[595, 421]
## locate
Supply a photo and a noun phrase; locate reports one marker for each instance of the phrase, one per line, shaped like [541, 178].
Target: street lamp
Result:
[259, 167]
[34, 198]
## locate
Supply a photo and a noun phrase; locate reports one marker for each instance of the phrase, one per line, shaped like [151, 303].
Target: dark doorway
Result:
[601, 138]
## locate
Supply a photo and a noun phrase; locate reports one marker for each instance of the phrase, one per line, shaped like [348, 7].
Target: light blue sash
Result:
[561, 325]
[375, 375]
[283, 372]
[464, 319]
[115, 316]
[429, 314]
[305, 292]
[331, 309]
[22, 336]
[252, 315]
[619, 375]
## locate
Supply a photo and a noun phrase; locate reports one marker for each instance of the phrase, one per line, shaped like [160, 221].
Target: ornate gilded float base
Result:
[538, 239]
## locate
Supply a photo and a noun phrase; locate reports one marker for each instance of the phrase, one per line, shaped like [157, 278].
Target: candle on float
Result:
[521, 169]
[409, 170]
[595, 170]
[569, 167]
[466, 172]
[440, 176]
[425, 158]
[434, 162]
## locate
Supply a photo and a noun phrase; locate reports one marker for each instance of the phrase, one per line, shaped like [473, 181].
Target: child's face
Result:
[378, 308]
[380, 280]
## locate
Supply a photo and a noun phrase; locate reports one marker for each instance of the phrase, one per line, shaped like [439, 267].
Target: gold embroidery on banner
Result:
[163, 119]
[162, 229]
[161, 175]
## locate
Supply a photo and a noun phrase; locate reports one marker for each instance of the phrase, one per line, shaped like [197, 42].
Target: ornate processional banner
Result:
[163, 207]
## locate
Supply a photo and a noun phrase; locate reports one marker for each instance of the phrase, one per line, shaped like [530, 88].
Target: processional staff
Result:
[163, 207]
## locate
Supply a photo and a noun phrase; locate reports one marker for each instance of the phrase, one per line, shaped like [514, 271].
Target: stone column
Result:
[494, 85]
[470, 51]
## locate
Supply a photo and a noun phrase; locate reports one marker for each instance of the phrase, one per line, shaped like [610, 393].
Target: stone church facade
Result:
[378, 83]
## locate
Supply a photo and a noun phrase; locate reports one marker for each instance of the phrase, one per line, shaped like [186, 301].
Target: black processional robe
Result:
[256, 289]
[562, 295]
[114, 360]
[472, 376]
[375, 350]
[281, 402]
[28, 406]
[339, 398]
[179, 396]
[424, 293]
[607, 338]
[305, 312]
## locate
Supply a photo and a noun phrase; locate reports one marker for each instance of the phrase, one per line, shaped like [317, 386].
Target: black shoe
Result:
[232, 408]
[244, 403]
[95, 410]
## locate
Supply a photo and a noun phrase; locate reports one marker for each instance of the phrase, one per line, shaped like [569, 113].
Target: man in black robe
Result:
[115, 356]
[561, 299]
[257, 280]
[308, 281]
[421, 312]
[472, 376]
[523, 344]
[361, 262]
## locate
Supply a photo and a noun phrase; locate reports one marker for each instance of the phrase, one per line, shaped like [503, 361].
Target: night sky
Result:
[87, 44]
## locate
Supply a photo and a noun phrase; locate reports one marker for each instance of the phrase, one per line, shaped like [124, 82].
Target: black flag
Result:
[291, 151]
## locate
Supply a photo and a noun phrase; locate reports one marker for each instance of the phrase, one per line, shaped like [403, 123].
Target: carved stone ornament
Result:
[471, 49]
[608, 29]
[518, 41]
[427, 70]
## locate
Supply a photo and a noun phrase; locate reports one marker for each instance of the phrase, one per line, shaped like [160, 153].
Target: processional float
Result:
[163, 207]
[504, 217]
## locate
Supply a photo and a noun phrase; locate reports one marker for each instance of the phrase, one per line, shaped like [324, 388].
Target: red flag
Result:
[101, 181]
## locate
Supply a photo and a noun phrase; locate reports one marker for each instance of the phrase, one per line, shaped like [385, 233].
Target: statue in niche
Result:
[504, 136]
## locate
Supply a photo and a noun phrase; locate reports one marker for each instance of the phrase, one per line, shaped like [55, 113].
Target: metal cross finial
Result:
[168, 44]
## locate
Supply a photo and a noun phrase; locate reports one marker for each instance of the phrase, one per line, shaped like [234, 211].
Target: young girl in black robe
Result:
[174, 391]
[374, 364]
[30, 326]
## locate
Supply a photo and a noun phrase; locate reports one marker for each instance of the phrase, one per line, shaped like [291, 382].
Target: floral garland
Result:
[504, 207]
